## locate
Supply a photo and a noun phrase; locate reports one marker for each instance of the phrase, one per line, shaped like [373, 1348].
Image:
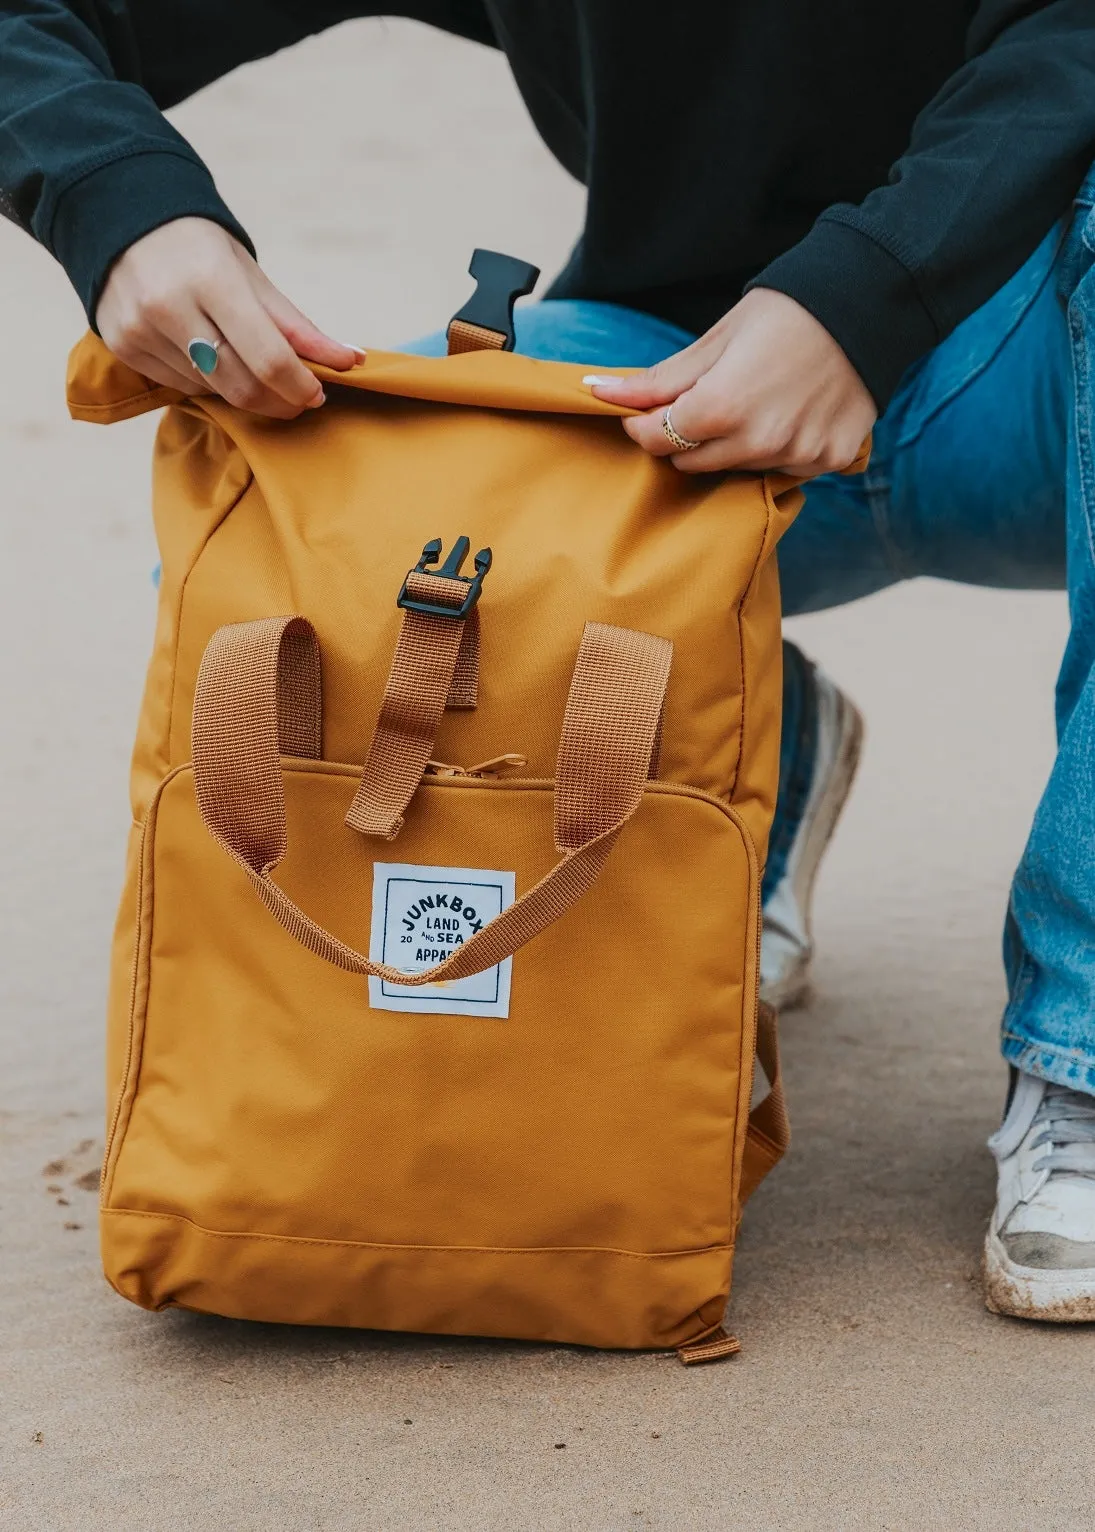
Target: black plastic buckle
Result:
[450, 570]
[500, 281]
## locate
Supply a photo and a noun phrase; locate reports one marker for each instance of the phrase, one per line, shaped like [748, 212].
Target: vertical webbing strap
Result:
[436, 665]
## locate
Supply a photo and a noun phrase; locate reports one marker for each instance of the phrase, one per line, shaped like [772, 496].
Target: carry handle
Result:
[259, 695]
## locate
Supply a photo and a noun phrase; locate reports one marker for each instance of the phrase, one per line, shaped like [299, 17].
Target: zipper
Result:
[495, 767]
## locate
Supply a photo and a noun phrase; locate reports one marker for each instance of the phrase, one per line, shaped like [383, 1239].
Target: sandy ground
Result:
[873, 1390]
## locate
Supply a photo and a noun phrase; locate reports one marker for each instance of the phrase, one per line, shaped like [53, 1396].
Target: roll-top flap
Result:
[102, 389]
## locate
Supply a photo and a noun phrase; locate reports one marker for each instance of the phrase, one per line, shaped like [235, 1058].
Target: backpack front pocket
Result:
[275, 1110]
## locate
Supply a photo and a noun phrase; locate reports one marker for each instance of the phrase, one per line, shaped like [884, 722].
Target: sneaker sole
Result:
[794, 988]
[1028, 1292]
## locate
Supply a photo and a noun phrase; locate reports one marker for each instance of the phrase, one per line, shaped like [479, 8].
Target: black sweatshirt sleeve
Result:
[993, 159]
[88, 162]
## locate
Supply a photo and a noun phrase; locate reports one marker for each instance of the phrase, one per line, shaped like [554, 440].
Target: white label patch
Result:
[421, 916]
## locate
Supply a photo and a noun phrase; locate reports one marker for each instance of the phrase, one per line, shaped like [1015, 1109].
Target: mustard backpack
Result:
[434, 994]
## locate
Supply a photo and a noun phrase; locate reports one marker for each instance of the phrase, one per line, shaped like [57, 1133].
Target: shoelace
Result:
[1067, 1119]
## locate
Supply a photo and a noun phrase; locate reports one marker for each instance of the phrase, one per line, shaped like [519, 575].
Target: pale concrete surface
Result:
[873, 1390]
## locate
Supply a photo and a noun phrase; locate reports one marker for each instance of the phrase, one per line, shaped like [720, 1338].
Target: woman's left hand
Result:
[767, 387]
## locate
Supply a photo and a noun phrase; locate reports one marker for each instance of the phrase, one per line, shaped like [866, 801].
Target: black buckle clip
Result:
[500, 281]
[450, 570]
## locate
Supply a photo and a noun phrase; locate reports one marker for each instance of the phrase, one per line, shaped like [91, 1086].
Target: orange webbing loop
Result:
[711, 1347]
[260, 697]
[241, 724]
[463, 336]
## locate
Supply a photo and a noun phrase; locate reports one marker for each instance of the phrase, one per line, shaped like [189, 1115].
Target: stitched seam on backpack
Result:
[116, 1117]
[146, 882]
[352, 1244]
[737, 1158]
[233, 503]
[150, 399]
[747, 1039]
[307, 767]
[708, 1326]
[743, 600]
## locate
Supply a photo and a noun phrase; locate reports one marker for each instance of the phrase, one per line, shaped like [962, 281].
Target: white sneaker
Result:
[1040, 1248]
[787, 944]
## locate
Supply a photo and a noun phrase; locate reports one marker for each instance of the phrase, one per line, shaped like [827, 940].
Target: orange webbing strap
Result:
[464, 686]
[769, 1132]
[274, 708]
[611, 730]
[612, 714]
[436, 665]
[711, 1347]
[463, 336]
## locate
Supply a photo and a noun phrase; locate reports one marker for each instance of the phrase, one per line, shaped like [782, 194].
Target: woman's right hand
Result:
[190, 278]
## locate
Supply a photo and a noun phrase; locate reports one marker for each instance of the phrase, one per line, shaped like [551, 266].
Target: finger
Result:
[163, 372]
[649, 432]
[762, 445]
[708, 410]
[742, 453]
[233, 381]
[261, 349]
[237, 384]
[728, 454]
[306, 338]
[663, 382]
[694, 422]
[232, 377]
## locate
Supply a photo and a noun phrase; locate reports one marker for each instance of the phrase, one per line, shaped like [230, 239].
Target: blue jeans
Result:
[983, 471]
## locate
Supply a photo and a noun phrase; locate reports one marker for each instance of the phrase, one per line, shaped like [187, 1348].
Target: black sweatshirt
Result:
[887, 164]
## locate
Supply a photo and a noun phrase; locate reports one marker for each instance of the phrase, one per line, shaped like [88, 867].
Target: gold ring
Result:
[682, 443]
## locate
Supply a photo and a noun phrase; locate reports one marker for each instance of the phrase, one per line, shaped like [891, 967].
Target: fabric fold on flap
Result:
[102, 389]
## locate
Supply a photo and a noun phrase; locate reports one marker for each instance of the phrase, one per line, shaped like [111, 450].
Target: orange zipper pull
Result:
[496, 765]
[492, 768]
